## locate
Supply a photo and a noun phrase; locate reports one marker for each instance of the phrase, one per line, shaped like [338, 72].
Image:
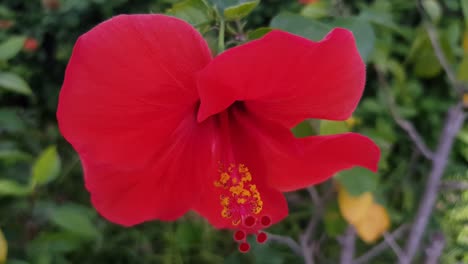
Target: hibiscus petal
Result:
[295, 163]
[286, 78]
[166, 189]
[128, 96]
[128, 84]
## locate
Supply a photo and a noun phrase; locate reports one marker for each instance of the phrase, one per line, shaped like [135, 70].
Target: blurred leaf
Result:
[10, 47]
[335, 225]
[357, 180]
[353, 208]
[433, 9]
[363, 33]
[17, 261]
[238, 9]
[187, 235]
[10, 121]
[75, 220]
[303, 129]
[3, 248]
[12, 188]
[196, 12]
[12, 82]
[258, 33]
[47, 166]
[300, 25]
[464, 6]
[463, 69]
[425, 62]
[311, 29]
[49, 243]
[265, 254]
[316, 10]
[333, 127]
[374, 224]
[465, 41]
[13, 155]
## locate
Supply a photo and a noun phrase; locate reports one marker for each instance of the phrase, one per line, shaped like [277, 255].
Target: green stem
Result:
[221, 35]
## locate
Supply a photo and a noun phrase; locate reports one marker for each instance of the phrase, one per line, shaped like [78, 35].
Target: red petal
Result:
[166, 189]
[322, 157]
[244, 142]
[291, 163]
[128, 88]
[286, 78]
[128, 85]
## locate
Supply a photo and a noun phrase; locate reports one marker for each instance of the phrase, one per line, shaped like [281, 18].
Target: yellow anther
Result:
[240, 195]
[241, 200]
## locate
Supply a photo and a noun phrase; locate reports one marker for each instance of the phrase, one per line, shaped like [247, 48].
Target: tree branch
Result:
[452, 126]
[287, 241]
[348, 242]
[403, 123]
[382, 246]
[434, 251]
[454, 185]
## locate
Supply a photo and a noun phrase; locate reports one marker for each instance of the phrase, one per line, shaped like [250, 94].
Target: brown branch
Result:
[348, 243]
[382, 246]
[452, 126]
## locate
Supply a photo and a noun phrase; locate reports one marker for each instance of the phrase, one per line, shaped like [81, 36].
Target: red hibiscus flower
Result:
[162, 128]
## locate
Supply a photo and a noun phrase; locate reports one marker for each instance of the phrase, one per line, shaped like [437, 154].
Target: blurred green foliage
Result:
[45, 212]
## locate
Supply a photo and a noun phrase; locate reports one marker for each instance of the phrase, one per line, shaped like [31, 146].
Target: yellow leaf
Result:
[353, 208]
[3, 248]
[376, 222]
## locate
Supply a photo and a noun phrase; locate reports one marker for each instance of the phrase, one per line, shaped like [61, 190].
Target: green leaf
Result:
[12, 188]
[300, 25]
[335, 224]
[311, 29]
[433, 9]
[10, 47]
[12, 82]
[74, 219]
[464, 5]
[10, 121]
[196, 12]
[333, 127]
[258, 33]
[463, 69]
[239, 9]
[303, 129]
[317, 10]
[363, 33]
[47, 166]
[357, 180]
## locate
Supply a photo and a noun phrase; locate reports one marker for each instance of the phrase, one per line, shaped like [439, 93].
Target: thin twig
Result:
[434, 251]
[434, 38]
[403, 123]
[393, 245]
[287, 241]
[348, 242]
[382, 246]
[314, 196]
[452, 126]
[454, 186]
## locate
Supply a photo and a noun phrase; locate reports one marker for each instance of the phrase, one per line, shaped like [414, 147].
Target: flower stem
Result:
[221, 35]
